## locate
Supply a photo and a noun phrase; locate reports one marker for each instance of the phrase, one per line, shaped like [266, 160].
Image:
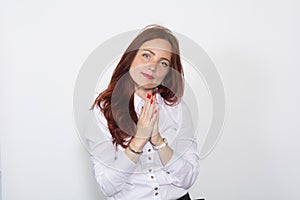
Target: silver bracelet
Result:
[134, 151]
[165, 143]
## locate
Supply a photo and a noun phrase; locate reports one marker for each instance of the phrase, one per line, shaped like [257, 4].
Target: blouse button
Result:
[156, 193]
[149, 150]
[156, 188]
[149, 158]
[152, 177]
[150, 170]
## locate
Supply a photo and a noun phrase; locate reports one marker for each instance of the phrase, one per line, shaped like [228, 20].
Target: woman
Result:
[143, 146]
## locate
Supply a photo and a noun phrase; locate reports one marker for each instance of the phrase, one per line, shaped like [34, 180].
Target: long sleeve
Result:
[118, 177]
[183, 168]
[111, 168]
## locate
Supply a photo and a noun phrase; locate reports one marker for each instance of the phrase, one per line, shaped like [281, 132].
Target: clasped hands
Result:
[147, 125]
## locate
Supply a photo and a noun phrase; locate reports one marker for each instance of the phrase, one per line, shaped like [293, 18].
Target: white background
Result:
[254, 45]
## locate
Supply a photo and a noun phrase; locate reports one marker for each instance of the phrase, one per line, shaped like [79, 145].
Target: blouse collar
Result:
[139, 102]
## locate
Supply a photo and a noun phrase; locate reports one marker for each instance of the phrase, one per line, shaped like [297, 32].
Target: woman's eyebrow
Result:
[154, 54]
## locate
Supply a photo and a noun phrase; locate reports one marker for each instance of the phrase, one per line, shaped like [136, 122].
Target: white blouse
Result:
[119, 178]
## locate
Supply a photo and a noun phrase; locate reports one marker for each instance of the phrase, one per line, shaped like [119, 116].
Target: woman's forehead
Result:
[158, 45]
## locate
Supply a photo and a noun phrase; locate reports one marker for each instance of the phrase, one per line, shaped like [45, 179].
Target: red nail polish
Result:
[148, 96]
[151, 101]
[155, 111]
[142, 107]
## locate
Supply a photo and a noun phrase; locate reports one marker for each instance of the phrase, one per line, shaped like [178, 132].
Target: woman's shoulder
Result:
[176, 111]
[178, 106]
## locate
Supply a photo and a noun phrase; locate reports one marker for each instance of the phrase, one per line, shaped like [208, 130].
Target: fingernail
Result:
[155, 111]
[148, 96]
[142, 107]
[151, 101]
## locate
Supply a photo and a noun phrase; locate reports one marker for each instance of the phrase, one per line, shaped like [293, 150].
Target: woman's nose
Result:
[153, 64]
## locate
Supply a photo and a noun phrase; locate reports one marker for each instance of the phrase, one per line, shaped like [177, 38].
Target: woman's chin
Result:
[148, 86]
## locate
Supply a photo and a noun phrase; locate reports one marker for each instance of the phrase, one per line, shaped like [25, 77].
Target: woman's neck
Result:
[142, 92]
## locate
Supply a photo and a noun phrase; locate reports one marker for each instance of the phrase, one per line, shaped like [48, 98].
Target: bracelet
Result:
[165, 143]
[134, 151]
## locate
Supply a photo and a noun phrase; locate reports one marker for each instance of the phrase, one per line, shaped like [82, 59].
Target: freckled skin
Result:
[151, 65]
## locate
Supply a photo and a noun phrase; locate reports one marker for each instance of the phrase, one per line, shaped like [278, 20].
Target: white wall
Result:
[254, 45]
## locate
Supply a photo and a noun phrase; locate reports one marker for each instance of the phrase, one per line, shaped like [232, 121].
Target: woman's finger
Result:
[150, 109]
[154, 118]
[145, 109]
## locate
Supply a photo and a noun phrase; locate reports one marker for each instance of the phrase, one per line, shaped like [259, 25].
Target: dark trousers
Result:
[185, 197]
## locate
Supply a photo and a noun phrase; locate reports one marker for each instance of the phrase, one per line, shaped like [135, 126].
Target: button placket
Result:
[154, 185]
[151, 176]
[149, 158]
[156, 195]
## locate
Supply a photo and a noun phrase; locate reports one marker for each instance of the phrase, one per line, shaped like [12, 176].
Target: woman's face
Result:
[151, 63]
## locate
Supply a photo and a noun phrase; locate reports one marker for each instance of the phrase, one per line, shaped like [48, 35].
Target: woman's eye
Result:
[164, 64]
[146, 55]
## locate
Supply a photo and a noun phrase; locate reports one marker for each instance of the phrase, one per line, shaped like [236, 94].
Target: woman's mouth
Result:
[147, 76]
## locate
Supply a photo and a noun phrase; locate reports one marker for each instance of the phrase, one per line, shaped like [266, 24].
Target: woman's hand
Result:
[156, 138]
[146, 124]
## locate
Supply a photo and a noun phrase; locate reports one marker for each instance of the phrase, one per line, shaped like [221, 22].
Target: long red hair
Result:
[117, 101]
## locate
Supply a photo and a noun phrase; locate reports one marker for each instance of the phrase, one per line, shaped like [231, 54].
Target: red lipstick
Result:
[148, 76]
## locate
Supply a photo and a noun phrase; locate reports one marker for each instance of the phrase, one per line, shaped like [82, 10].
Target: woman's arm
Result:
[181, 161]
[111, 168]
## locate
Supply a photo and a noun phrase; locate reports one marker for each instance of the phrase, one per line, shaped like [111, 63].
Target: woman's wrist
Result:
[134, 151]
[162, 145]
[157, 140]
[138, 144]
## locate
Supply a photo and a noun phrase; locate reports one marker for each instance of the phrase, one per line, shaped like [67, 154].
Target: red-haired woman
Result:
[143, 146]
